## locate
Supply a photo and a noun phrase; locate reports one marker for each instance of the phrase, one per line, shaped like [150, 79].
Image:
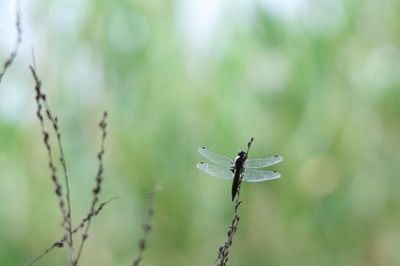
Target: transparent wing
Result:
[253, 175]
[263, 162]
[215, 157]
[220, 171]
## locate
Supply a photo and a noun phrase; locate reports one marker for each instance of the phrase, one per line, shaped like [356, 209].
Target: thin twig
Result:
[40, 101]
[18, 40]
[54, 121]
[147, 226]
[97, 189]
[92, 214]
[223, 250]
[54, 245]
[63, 239]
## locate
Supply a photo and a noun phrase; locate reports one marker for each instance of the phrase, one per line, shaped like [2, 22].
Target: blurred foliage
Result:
[314, 81]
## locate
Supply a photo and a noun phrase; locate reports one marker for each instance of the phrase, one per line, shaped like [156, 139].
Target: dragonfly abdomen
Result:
[238, 170]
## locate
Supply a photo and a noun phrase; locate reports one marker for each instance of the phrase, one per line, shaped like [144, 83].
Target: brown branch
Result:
[42, 102]
[97, 189]
[147, 226]
[63, 239]
[223, 251]
[54, 121]
[18, 40]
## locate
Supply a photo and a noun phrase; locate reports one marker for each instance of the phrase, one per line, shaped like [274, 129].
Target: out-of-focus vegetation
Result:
[314, 81]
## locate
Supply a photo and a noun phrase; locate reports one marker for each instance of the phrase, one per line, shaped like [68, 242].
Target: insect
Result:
[239, 169]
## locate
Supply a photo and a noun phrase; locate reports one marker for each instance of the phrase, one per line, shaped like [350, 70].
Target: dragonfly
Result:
[240, 168]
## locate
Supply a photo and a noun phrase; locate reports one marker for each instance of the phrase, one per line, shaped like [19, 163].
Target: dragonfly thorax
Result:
[241, 154]
[239, 160]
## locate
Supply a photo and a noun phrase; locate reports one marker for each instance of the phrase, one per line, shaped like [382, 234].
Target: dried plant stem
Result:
[41, 103]
[147, 226]
[55, 244]
[60, 243]
[54, 122]
[223, 251]
[18, 40]
[97, 189]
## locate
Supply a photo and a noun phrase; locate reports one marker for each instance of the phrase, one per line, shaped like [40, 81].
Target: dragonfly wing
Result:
[253, 175]
[220, 171]
[215, 157]
[263, 162]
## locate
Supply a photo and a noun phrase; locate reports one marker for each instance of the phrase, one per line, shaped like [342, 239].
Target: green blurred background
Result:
[314, 81]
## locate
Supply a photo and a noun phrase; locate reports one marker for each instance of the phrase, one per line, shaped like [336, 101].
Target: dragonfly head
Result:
[241, 154]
